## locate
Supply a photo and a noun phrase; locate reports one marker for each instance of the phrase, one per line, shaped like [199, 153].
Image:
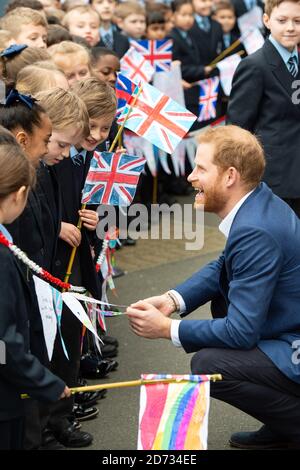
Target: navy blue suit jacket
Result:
[258, 274]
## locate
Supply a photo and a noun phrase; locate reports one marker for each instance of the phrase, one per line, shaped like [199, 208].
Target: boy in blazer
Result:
[262, 99]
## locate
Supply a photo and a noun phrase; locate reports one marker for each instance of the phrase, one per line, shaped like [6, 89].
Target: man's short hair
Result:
[238, 148]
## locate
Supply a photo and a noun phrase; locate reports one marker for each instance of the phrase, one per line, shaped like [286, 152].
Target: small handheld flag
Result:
[112, 178]
[208, 98]
[124, 91]
[158, 118]
[157, 52]
[136, 67]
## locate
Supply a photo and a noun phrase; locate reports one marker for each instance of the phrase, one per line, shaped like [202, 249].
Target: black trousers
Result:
[12, 434]
[253, 384]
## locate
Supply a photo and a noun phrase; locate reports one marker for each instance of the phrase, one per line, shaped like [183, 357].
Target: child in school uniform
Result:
[20, 371]
[83, 21]
[27, 26]
[194, 63]
[207, 32]
[225, 15]
[263, 98]
[111, 38]
[130, 17]
[100, 102]
[105, 64]
[156, 25]
[73, 59]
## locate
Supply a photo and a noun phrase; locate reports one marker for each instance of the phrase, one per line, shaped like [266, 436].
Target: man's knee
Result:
[205, 361]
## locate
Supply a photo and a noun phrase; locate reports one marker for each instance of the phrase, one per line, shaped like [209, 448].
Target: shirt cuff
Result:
[175, 333]
[181, 302]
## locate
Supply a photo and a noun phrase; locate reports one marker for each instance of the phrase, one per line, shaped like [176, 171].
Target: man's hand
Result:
[162, 302]
[148, 322]
[89, 219]
[66, 393]
[70, 234]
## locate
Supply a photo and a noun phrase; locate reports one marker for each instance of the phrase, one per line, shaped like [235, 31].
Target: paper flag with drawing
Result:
[174, 416]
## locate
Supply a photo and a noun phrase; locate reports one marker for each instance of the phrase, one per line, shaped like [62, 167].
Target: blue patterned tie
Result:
[293, 65]
[107, 39]
[205, 24]
[78, 159]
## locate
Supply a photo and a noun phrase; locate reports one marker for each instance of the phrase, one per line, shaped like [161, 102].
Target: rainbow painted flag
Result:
[174, 416]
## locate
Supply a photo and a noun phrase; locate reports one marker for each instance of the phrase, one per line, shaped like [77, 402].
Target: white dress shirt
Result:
[224, 227]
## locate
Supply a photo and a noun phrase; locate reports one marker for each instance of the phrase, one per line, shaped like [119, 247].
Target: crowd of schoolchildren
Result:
[59, 62]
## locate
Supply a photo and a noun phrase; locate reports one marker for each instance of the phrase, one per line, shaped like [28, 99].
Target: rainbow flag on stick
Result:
[174, 416]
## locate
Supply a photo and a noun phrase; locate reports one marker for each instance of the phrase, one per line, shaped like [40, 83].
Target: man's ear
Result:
[22, 139]
[231, 176]
[266, 20]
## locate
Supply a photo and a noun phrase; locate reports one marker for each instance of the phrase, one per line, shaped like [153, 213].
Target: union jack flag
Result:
[157, 52]
[158, 118]
[208, 98]
[124, 90]
[136, 67]
[112, 178]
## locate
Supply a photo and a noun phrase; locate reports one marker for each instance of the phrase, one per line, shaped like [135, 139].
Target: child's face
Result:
[106, 69]
[99, 131]
[85, 25]
[134, 25]
[35, 145]
[169, 24]
[32, 36]
[203, 7]
[105, 8]
[60, 143]
[284, 24]
[156, 31]
[184, 17]
[74, 67]
[226, 18]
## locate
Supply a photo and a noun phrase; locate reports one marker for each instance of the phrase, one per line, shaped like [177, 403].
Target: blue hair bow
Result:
[13, 50]
[16, 97]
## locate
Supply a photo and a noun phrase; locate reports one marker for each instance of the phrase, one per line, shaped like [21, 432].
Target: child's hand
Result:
[89, 219]
[70, 234]
[186, 85]
[208, 69]
[66, 393]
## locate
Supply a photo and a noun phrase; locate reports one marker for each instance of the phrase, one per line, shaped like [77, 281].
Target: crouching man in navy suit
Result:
[254, 287]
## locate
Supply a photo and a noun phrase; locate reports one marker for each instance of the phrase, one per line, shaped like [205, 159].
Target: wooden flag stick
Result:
[131, 383]
[240, 53]
[83, 206]
[155, 189]
[135, 383]
[225, 53]
[121, 128]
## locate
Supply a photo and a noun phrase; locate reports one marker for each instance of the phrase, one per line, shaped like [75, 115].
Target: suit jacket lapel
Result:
[279, 69]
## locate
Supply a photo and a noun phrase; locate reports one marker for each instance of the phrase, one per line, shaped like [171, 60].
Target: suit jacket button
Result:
[57, 263]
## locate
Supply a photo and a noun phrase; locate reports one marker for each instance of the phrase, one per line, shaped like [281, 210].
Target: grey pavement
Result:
[117, 423]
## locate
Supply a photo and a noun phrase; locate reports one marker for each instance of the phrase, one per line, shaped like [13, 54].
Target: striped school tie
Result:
[293, 65]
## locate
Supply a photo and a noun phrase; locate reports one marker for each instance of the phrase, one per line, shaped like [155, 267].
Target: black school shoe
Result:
[264, 438]
[109, 340]
[93, 368]
[49, 442]
[88, 399]
[83, 413]
[70, 437]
